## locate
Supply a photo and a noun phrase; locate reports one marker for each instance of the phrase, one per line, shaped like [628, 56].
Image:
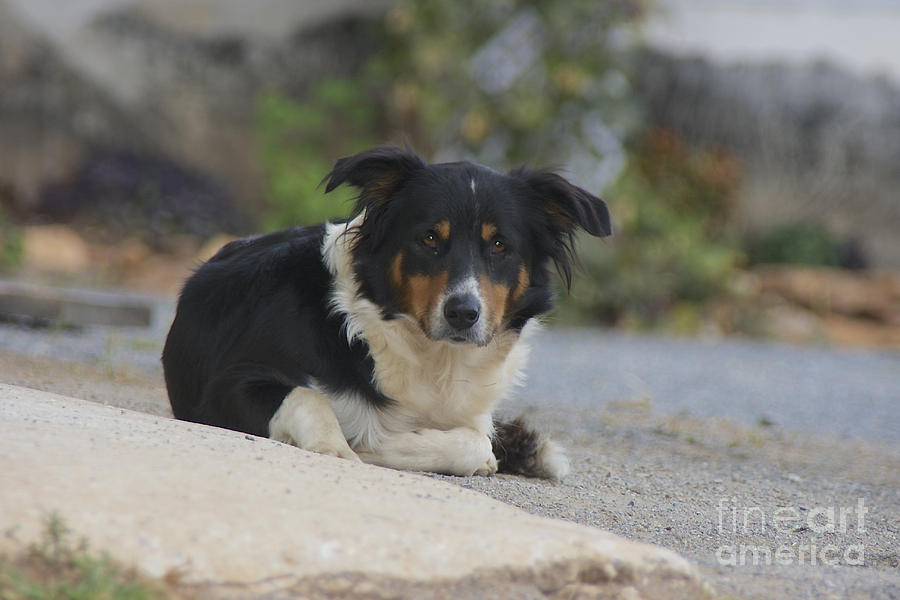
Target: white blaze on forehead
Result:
[472, 185]
[469, 285]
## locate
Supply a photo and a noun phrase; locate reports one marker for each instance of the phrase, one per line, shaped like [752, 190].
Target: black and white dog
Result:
[390, 338]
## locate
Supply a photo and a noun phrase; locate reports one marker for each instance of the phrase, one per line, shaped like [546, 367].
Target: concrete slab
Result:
[236, 512]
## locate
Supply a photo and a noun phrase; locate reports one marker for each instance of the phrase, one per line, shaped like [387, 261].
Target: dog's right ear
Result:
[377, 173]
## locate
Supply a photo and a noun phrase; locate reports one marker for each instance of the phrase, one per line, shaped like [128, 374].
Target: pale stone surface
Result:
[219, 506]
[54, 248]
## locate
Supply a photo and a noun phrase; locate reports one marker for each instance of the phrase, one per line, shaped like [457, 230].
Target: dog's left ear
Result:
[377, 173]
[567, 206]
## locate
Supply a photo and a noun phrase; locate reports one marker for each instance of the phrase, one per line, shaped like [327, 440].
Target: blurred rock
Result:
[54, 249]
[149, 196]
[824, 290]
[49, 114]
[849, 331]
[815, 304]
[793, 324]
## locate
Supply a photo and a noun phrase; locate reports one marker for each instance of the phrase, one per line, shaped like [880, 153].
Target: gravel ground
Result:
[724, 452]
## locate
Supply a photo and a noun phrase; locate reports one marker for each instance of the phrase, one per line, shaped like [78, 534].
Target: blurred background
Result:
[749, 149]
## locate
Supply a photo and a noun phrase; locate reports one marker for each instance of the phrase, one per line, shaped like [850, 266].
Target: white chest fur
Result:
[437, 385]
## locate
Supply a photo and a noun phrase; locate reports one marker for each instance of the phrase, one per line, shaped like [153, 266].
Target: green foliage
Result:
[794, 243]
[57, 569]
[506, 81]
[300, 140]
[444, 79]
[671, 250]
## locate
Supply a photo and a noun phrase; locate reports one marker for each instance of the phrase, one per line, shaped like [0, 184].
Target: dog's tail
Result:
[520, 450]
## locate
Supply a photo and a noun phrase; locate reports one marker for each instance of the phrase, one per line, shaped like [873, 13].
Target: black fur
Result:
[515, 446]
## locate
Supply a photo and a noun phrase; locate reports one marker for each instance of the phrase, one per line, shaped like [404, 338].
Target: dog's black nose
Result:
[461, 311]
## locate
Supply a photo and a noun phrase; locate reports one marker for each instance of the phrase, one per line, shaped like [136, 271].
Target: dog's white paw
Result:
[489, 467]
[306, 420]
[338, 450]
[329, 447]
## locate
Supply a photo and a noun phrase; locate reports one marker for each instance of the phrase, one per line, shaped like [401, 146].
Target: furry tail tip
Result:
[522, 451]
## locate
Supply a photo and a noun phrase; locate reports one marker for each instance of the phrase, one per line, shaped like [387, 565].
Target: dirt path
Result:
[721, 494]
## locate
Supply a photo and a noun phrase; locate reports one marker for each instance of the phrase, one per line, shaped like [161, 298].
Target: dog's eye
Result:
[430, 240]
[498, 246]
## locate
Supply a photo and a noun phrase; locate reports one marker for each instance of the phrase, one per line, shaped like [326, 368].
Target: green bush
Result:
[671, 250]
[299, 141]
[506, 82]
[794, 243]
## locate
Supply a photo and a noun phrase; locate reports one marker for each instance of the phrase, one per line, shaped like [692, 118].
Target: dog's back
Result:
[220, 338]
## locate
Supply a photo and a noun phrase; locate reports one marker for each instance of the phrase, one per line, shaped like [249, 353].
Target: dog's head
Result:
[461, 249]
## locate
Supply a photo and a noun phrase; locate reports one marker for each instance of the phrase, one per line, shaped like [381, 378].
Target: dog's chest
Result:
[442, 385]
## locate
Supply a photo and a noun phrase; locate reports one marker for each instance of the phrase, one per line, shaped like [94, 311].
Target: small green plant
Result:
[55, 568]
[299, 141]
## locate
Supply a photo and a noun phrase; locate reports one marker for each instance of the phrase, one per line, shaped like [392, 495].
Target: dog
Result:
[389, 338]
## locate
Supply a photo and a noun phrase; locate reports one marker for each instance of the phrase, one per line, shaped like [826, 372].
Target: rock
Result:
[851, 331]
[54, 249]
[792, 324]
[50, 114]
[822, 304]
[226, 509]
[826, 290]
[142, 194]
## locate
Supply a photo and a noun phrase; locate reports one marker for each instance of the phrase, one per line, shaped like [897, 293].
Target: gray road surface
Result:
[846, 393]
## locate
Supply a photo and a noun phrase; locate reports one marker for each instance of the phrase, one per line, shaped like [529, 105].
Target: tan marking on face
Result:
[524, 282]
[443, 230]
[488, 231]
[422, 293]
[495, 296]
[396, 273]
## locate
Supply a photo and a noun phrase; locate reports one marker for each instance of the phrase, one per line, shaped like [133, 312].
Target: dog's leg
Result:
[459, 451]
[306, 420]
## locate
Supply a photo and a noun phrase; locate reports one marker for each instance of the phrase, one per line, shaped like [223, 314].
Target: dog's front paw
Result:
[489, 467]
[338, 450]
